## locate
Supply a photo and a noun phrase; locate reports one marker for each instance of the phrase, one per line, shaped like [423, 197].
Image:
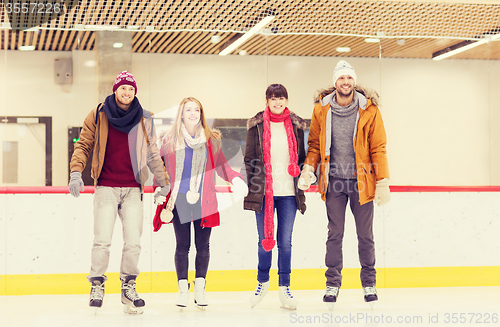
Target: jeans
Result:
[127, 203]
[184, 212]
[338, 193]
[286, 208]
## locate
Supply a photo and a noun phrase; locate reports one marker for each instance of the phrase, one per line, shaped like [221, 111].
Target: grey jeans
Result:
[338, 193]
[127, 203]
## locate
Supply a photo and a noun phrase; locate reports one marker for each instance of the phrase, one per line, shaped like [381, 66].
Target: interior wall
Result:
[440, 117]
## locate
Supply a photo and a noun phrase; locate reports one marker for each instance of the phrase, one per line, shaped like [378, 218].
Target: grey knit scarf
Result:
[347, 110]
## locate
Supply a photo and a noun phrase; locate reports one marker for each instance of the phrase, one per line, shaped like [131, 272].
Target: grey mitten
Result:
[75, 183]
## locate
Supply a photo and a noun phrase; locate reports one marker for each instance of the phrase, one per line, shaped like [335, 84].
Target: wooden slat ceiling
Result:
[300, 28]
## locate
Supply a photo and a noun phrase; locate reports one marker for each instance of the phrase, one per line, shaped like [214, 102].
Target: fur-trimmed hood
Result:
[259, 118]
[365, 91]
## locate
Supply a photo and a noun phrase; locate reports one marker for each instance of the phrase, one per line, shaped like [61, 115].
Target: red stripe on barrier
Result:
[226, 189]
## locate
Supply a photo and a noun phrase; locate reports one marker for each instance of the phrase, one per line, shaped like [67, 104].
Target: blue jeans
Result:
[286, 208]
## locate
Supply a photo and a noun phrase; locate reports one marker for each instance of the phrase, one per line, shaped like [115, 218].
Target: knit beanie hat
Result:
[343, 68]
[124, 78]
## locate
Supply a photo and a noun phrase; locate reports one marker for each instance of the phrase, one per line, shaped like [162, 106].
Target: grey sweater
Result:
[342, 155]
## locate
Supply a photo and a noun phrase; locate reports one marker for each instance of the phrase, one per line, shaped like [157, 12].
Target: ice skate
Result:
[183, 297]
[286, 298]
[259, 293]
[330, 296]
[97, 293]
[199, 293]
[370, 295]
[133, 304]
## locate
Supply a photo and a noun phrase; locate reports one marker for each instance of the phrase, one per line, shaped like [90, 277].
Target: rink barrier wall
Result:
[244, 280]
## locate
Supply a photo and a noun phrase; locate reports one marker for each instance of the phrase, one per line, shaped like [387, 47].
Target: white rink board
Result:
[52, 234]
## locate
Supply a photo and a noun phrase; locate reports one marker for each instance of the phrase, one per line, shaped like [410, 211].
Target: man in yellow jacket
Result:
[123, 140]
[347, 146]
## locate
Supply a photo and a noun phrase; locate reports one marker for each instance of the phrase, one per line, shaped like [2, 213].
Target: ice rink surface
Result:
[458, 306]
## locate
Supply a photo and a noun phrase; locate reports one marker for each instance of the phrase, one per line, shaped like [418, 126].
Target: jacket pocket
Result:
[368, 185]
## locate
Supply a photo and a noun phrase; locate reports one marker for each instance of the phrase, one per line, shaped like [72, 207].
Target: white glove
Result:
[239, 187]
[307, 177]
[75, 183]
[382, 192]
[161, 194]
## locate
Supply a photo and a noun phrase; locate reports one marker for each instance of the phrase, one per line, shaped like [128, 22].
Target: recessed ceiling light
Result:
[117, 45]
[372, 40]
[27, 47]
[242, 52]
[343, 49]
[400, 42]
[215, 39]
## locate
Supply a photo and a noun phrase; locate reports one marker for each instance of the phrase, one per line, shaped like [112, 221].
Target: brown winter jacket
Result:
[94, 136]
[254, 162]
[369, 143]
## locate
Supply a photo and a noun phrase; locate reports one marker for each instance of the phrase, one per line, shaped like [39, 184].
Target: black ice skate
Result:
[370, 294]
[330, 297]
[97, 292]
[133, 304]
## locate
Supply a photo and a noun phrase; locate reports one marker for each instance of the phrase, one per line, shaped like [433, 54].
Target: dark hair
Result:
[277, 91]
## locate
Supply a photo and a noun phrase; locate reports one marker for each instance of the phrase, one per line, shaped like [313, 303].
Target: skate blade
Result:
[331, 306]
[372, 304]
[201, 307]
[133, 310]
[289, 308]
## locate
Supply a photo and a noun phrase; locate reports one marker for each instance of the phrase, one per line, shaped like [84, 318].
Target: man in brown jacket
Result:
[123, 140]
[347, 142]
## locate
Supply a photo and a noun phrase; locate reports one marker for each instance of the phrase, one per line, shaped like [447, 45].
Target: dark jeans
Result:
[286, 208]
[338, 193]
[184, 212]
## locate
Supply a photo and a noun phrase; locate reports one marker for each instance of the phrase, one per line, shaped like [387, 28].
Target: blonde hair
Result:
[175, 136]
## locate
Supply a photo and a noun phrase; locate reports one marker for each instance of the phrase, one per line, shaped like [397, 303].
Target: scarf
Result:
[197, 169]
[347, 110]
[268, 242]
[122, 120]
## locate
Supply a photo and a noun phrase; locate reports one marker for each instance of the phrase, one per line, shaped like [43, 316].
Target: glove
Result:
[307, 177]
[239, 187]
[161, 194]
[75, 185]
[382, 192]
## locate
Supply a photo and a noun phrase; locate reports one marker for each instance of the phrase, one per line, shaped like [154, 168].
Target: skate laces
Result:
[287, 292]
[332, 290]
[370, 290]
[258, 290]
[130, 292]
[97, 292]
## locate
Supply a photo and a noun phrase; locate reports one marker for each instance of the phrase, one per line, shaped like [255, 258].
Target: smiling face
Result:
[124, 95]
[277, 104]
[345, 85]
[191, 114]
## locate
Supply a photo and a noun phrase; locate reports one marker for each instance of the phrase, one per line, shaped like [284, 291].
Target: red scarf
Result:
[293, 169]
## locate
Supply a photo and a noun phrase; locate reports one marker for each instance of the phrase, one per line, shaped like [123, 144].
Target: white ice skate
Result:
[370, 293]
[286, 298]
[199, 293]
[133, 304]
[259, 293]
[330, 296]
[183, 297]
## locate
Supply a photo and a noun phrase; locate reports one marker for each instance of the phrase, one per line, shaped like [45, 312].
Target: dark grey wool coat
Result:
[254, 162]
